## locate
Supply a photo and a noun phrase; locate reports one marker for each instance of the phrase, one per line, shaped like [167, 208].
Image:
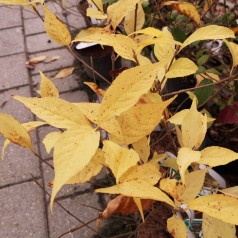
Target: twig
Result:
[66, 210]
[135, 19]
[42, 160]
[71, 230]
[198, 87]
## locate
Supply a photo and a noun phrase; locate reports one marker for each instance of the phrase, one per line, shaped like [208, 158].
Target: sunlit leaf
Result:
[70, 156]
[127, 88]
[219, 206]
[142, 148]
[181, 67]
[117, 11]
[169, 186]
[138, 188]
[119, 159]
[147, 172]
[233, 47]
[92, 12]
[47, 87]
[64, 73]
[141, 120]
[55, 111]
[211, 32]
[179, 117]
[139, 206]
[13, 130]
[92, 169]
[95, 88]
[55, 28]
[123, 45]
[212, 227]
[232, 191]
[187, 9]
[215, 156]
[186, 157]
[176, 227]
[194, 127]
[129, 23]
[50, 140]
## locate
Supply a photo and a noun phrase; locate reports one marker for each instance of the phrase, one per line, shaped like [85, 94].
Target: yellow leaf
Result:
[92, 169]
[123, 45]
[97, 3]
[31, 125]
[234, 53]
[141, 120]
[178, 118]
[232, 191]
[193, 184]
[181, 67]
[12, 130]
[55, 28]
[91, 110]
[21, 2]
[50, 140]
[215, 156]
[92, 12]
[55, 111]
[212, 227]
[5, 145]
[142, 147]
[127, 88]
[186, 157]
[150, 31]
[218, 206]
[117, 11]
[36, 60]
[95, 88]
[169, 186]
[64, 73]
[119, 159]
[139, 206]
[170, 162]
[147, 172]
[129, 22]
[47, 87]
[53, 58]
[176, 227]
[211, 32]
[187, 9]
[194, 127]
[140, 189]
[70, 156]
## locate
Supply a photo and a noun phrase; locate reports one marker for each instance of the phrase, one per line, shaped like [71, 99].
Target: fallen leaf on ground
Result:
[64, 73]
[31, 64]
[53, 58]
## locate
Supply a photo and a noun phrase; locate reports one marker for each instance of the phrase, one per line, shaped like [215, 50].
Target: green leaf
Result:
[203, 59]
[203, 94]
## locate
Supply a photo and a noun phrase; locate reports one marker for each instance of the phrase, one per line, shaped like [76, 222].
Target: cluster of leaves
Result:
[131, 108]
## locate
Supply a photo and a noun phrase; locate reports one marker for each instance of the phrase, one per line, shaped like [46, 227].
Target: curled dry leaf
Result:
[31, 64]
[64, 73]
[53, 58]
[95, 88]
[124, 205]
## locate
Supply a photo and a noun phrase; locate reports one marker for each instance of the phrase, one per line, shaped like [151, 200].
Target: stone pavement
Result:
[24, 205]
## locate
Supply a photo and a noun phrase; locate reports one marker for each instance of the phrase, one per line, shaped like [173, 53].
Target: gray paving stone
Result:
[76, 96]
[64, 84]
[40, 42]
[19, 163]
[12, 41]
[13, 71]
[61, 222]
[6, 19]
[75, 20]
[22, 212]
[34, 26]
[65, 60]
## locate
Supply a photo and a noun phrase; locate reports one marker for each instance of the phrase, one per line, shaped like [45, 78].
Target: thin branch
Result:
[66, 210]
[198, 87]
[42, 160]
[71, 230]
